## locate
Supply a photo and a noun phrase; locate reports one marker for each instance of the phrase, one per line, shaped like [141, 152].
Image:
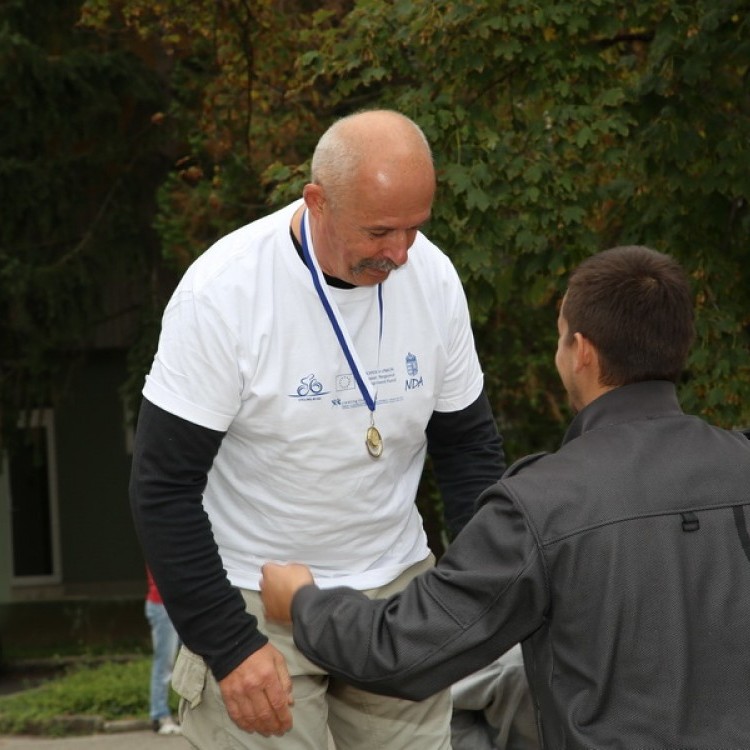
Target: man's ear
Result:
[585, 352]
[315, 198]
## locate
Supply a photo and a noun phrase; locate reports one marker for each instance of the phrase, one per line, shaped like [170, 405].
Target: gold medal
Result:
[374, 442]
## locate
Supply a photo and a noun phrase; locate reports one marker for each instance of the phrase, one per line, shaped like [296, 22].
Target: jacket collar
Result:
[647, 400]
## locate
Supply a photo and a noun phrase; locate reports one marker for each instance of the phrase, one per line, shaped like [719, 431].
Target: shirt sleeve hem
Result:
[169, 402]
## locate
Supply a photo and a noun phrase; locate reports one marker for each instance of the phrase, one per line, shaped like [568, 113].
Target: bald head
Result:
[373, 183]
[376, 147]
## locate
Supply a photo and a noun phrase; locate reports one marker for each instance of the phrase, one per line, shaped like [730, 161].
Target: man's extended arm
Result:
[487, 593]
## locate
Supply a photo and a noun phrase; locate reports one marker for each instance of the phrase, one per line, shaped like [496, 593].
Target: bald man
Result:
[307, 364]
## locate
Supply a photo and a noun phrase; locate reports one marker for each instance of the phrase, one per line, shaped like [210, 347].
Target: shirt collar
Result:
[647, 400]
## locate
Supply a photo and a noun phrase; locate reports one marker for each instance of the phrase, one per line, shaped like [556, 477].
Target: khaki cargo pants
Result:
[356, 720]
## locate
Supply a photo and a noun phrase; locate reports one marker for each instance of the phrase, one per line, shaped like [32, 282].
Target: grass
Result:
[110, 690]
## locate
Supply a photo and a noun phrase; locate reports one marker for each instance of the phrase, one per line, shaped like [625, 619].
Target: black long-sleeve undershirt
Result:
[171, 461]
[467, 457]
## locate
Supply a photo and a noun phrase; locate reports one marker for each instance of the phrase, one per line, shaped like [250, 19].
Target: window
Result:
[32, 484]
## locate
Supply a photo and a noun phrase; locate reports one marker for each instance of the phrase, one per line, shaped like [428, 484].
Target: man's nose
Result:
[397, 248]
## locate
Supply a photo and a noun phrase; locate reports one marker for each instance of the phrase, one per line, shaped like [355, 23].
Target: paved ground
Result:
[144, 740]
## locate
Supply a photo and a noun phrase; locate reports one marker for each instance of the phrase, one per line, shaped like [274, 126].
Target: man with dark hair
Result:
[621, 562]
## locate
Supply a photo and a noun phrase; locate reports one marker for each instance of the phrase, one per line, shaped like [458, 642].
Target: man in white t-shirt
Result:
[307, 364]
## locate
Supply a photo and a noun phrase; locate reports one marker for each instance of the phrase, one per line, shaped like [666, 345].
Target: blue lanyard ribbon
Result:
[339, 328]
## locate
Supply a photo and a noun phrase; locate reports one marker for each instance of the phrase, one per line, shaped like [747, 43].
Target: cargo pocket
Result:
[189, 677]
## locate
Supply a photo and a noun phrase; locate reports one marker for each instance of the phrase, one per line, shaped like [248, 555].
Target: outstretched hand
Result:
[278, 586]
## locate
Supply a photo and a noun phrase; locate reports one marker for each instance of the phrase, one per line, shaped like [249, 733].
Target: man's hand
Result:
[278, 586]
[258, 693]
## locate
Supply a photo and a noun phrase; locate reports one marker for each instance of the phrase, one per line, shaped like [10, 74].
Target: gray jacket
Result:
[622, 564]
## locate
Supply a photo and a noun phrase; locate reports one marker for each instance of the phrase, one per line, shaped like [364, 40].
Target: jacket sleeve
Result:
[486, 594]
[171, 460]
[467, 456]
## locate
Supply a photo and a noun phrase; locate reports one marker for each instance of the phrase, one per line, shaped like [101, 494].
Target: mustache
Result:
[377, 265]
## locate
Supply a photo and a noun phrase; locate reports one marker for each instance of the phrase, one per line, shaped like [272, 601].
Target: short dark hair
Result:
[635, 305]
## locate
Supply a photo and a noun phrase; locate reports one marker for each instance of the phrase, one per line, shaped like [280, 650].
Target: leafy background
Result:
[136, 132]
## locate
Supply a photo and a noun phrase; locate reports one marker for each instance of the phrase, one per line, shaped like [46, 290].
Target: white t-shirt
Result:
[246, 348]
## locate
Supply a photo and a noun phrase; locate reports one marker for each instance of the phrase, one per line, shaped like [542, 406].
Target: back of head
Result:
[634, 304]
[379, 137]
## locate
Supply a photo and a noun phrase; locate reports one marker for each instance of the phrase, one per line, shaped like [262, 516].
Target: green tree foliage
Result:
[685, 187]
[229, 67]
[77, 150]
[558, 128]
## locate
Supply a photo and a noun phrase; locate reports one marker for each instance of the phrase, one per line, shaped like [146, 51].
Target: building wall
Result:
[4, 537]
[98, 552]
[99, 546]
[98, 600]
